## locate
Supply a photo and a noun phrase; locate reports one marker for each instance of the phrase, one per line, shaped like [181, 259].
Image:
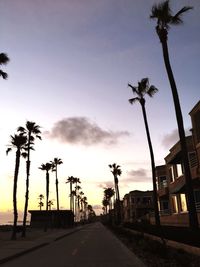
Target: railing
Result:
[197, 204]
[164, 212]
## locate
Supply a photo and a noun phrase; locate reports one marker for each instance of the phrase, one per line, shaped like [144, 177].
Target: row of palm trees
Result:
[23, 142]
[165, 18]
[78, 202]
[162, 13]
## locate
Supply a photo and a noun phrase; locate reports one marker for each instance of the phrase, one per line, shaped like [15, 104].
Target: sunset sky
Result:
[70, 63]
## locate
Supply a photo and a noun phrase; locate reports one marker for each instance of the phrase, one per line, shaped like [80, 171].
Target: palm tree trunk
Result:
[47, 190]
[71, 198]
[193, 219]
[17, 163]
[57, 196]
[155, 201]
[26, 196]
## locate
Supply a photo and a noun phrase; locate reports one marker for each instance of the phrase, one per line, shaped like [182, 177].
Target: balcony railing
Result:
[197, 204]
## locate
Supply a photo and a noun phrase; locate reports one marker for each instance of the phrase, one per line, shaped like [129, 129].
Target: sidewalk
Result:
[35, 239]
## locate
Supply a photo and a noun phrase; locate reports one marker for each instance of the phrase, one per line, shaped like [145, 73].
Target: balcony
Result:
[162, 188]
[178, 185]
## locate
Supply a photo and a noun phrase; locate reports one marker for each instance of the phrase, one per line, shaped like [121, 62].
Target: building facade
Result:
[136, 205]
[171, 185]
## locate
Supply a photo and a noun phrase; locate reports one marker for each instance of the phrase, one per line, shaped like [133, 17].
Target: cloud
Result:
[139, 175]
[106, 184]
[172, 138]
[80, 130]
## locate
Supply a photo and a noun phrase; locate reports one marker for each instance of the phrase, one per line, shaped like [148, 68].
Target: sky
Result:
[70, 63]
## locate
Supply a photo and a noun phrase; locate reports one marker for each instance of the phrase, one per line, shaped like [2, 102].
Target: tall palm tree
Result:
[116, 171]
[46, 167]
[55, 164]
[105, 203]
[4, 59]
[140, 91]
[71, 181]
[163, 14]
[108, 194]
[18, 142]
[32, 131]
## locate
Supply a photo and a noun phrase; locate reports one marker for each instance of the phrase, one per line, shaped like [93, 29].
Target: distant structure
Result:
[136, 205]
[51, 218]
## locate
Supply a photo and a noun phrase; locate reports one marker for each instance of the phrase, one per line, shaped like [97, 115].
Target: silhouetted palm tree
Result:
[18, 142]
[163, 14]
[40, 204]
[50, 203]
[46, 167]
[140, 91]
[105, 203]
[116, 171]
[55, 164]
[4, 59]
[32, 131]
[71, 181]
[108, 194]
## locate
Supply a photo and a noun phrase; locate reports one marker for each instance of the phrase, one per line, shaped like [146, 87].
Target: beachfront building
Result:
[136, 205]
[171, 183]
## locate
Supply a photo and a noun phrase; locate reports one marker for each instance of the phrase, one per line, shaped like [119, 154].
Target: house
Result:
[136, 205]
[171, 184]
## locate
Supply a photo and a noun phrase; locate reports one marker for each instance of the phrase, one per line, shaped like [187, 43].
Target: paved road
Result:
[93, 246]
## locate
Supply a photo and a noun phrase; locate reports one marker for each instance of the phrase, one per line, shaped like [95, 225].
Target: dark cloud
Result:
[172, 138]
[80, 130]
[139, 175]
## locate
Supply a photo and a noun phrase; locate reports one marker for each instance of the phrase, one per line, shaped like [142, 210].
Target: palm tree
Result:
[108, 194]
[4, 59]
[46, 167]
[140, 91]
[18, 142]
[163, 14]
[55, 164]
[116, 171]
[32, 131]
[50, 203]
[71, 181]
[40, 204]
[105, 203]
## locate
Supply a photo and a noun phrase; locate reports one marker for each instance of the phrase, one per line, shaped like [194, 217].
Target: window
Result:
[192, 159]
[183, 203]
[162, 182]
[171, 174]
[174, 204]
[179, 170]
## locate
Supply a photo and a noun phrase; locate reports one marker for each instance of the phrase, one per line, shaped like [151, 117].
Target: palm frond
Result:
[133, 100]
[152, 91]
[8, 150]
[176, 19]
[134, 88]
[24, 154]
[21, 129]
[4, 59]
[3, 74]
[39, 137]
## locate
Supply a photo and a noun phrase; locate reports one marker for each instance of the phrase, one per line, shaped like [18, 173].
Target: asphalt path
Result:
[93, 246]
